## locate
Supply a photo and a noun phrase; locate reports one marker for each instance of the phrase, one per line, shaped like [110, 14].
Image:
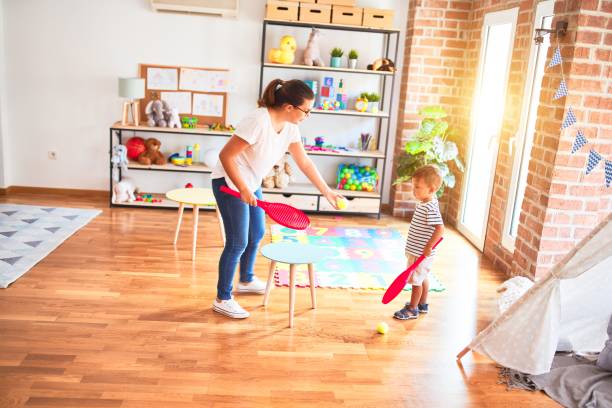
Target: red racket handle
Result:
[231, 192]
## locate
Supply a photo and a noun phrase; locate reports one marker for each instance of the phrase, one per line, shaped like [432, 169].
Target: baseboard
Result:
[57, 191]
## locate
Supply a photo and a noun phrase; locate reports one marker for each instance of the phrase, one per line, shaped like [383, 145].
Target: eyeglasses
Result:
[306, 112]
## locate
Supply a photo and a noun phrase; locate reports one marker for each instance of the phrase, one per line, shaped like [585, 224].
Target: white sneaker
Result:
[230, 308]
[254, 286]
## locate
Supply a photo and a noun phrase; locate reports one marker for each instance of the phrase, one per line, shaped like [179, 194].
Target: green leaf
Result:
[440, 128]
[433, 112]
[449, 151]
[427, 127]
[449, 180]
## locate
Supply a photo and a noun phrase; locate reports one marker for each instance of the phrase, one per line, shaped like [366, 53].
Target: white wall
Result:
[63, 59]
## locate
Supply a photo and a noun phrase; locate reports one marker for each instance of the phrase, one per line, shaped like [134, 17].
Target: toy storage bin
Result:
[301, 202]
[315, 13]
[347, 15]
[377, 18]
[350, 3]
[282, 10]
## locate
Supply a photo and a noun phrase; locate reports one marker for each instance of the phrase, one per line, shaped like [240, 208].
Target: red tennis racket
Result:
[284, 214]
[401, 280]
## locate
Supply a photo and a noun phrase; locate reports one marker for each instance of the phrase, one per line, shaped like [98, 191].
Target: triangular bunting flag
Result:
[48, 209]
[608, 170]
[594, 159]
[570, 119]
[52, 229]
[70, 217]
[561, 91]
[556, 59]
[9, 213]
[11, 261]
[8, 234]
[30, 220]
[579, 141]
[33, 244]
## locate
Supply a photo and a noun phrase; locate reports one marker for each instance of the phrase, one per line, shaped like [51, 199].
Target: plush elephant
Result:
[156, 111]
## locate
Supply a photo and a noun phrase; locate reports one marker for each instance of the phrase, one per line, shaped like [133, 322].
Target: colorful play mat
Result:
[367, 258]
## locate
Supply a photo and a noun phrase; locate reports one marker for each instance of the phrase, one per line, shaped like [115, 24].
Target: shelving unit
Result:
[307, 197]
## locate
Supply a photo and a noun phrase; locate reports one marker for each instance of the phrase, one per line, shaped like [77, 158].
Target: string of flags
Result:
[570, 119]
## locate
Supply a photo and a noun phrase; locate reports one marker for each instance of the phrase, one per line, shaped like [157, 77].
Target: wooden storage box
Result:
[347, 15]
[315, 13]
[350, 3]
[282, 10]
[355, 204]
[377, 18]
[302, 202]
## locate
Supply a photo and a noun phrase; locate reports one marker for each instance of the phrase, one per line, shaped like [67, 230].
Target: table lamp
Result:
[133, 89]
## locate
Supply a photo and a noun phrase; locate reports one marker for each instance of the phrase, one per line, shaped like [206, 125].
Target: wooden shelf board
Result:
[195, 168]
[332, 26]
[349, 112]
[196, 131]
[370, 154]
[310, 68]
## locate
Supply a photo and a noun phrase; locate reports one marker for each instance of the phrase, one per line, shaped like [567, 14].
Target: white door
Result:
[523, 140]
[486, 122]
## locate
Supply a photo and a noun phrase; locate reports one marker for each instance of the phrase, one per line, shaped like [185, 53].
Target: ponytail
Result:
[278, 92]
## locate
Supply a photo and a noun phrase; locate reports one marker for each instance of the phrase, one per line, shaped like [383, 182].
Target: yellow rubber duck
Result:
[286, 53]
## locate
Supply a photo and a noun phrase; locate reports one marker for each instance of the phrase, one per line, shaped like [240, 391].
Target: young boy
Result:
[425, 230]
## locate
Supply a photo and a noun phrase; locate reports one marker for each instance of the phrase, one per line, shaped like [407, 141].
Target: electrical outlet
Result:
[52, 155]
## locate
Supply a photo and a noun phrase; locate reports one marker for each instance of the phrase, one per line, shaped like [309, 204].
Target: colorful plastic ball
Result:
[135, 145]
[382, 328]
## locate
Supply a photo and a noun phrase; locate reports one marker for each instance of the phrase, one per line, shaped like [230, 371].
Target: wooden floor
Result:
[116, 317]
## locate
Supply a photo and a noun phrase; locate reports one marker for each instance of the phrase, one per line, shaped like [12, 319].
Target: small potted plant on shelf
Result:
[352, 59]
[373, 101]
[336, 57]
[429, 145]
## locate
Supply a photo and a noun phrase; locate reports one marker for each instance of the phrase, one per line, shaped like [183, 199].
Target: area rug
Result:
[29, 233]
[367, 258]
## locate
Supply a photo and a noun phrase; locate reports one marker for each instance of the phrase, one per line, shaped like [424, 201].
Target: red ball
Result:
[135, 146]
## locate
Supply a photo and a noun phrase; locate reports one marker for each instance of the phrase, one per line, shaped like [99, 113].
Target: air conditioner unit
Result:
[223, 8]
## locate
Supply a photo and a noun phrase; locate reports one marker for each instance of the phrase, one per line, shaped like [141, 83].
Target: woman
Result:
[260, 140]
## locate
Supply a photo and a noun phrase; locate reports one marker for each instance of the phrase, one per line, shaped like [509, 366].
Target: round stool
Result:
[294, 254]
[196, 197]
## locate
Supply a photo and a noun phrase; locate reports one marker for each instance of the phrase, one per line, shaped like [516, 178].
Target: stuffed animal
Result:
[382, 64]
[286, 53]
[123, 191]
[119, 160]
[173, 119]
[312, 55]
[268, 181]
[151, 155]
[156, 113]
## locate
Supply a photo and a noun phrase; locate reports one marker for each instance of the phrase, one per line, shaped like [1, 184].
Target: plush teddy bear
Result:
[382, 64]
[173, 119]
[123, 191]
[156, 113]
[152, 155]
[280, 176]
[268, 181]
[312, 55]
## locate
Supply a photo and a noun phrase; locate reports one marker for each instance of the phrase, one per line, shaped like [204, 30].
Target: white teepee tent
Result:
[573, 302]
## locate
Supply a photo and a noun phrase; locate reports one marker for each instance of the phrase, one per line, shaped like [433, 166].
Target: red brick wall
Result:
[441, 63]
[433, 70]
[562, 204]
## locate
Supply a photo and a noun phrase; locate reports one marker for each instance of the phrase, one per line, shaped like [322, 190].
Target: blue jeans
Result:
[245, 227]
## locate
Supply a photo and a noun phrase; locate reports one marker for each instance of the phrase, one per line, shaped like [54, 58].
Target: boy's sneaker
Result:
[423, 308]
[254, 286]
[406, 313]
[230, 308]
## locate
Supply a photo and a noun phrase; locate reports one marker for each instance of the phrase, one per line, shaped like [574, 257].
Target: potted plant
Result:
[373, 101]
[429, 145]
[336, 57]
[352, 59]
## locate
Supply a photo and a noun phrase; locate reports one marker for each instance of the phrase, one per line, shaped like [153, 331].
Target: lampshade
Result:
[132, 88]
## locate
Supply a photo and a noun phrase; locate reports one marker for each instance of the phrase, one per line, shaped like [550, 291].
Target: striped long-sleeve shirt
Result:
[426, 217]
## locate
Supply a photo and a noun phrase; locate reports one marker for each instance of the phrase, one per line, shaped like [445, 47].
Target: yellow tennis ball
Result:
[382, 328]
[341, 203]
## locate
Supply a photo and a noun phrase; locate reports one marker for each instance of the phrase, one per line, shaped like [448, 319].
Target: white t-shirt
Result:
[265, 150]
